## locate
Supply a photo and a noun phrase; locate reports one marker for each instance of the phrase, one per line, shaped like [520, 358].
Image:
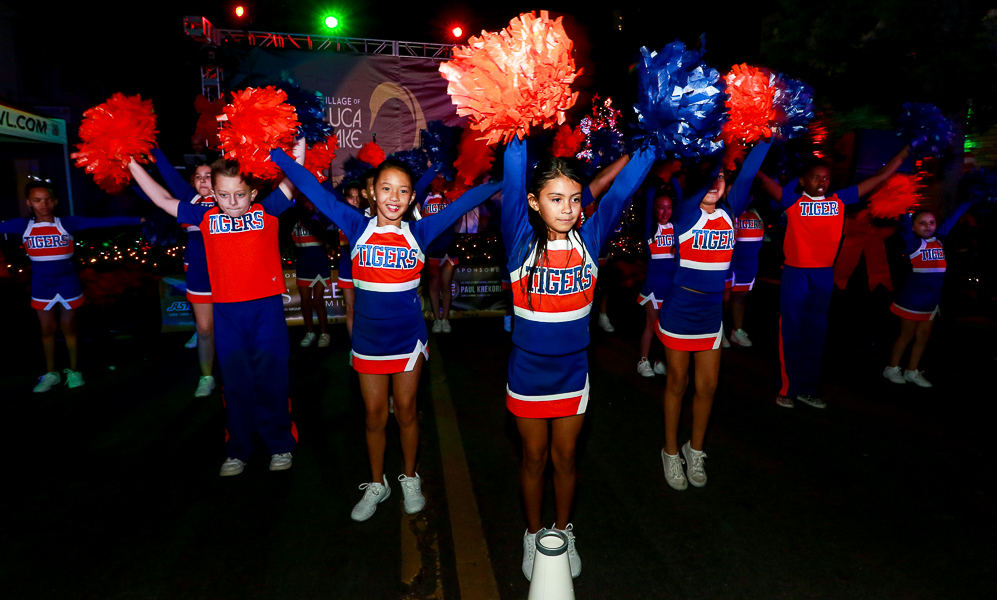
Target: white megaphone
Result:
[551, 572]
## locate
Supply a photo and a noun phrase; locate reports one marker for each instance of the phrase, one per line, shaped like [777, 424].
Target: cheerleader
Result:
[554, 271]
[48, 242]
[660, 236]
[813, 233]
[749, 231]
[917, 303]
[243, 255]
[441, 260]
[313, 271]
[195, 264]
[389, 331]
[344, 277]
[691, 318]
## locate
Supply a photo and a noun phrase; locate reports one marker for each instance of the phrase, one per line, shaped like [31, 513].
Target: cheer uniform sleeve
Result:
[177, 185]
[686, 211]
[516, 228]
[950, 221]
[77, 223]
[428, 228]
[191, 213]
[14, 226]
[738, 194]
[587, 197]
[276, 203]
[341, 213]
[423, 183]
[597, 228]
[789, 195]
[327, 186]
[905, 225]
[649, 224]
[848, 195]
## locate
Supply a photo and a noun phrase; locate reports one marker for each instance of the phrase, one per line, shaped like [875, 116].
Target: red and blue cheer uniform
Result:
[50, 247]
[749, 231]
[389, 331]
[813, 233]
[311, 260]
[244, 263]
[548, 367]
[692, 313]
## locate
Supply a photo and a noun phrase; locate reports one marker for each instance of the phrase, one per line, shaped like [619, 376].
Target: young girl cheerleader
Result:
[313, 271]
[918, 301]
[243, 255]
[691, 319]
[351, 193]
[389, 331]
[660, 235]
[48, 241]
[749, 231]
[553, 270]
[813, 233]
[195, 264]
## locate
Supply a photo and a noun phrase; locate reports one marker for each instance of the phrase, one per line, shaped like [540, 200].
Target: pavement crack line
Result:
[475, 575]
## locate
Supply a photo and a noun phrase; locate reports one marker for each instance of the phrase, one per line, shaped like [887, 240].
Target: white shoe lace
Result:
[675, 466]
[696, 462]
[370, 490]
[410, 485]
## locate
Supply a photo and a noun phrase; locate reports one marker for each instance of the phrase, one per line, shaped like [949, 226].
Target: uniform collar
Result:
[814, 197]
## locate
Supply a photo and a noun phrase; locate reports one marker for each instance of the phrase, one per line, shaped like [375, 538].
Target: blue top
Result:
[373, 300]
[704, 252]
[552, 316]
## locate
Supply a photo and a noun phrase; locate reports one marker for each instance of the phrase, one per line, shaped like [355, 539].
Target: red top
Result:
[749, 227]
[662, 245]
[929, 258]
[814, 225]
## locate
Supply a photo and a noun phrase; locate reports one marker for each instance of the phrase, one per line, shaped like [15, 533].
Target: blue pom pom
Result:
[415, 159]
[310, 107]
[794, 102]
[925, 128]
[680, 101]
[440, 143]
[354, 169]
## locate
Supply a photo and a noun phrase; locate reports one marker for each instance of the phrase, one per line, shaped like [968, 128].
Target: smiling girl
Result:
[553, 271]
[389, 331]
[55, 286]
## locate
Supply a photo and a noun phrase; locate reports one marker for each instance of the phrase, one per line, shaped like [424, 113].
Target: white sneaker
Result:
[529, 553]
[605, 324]
[74, 379]
[644, 368]
[231, 466]
[813, 401]
[695, 468]
[914, 377]
[740, 337]
[412, 492]
[574, 561]
[437, 326]
[659, 367]
[724, 342]
[280, 462]
[894, 374]
[192, 342]
[374, 494]
[46, 381]
[204, 386]
[323, 340]
[507, 323]
[785, 401]
[308, 339]
[445, 326]
[673, 471]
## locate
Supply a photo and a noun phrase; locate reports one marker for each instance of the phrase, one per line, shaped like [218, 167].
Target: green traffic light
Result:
[331, 22]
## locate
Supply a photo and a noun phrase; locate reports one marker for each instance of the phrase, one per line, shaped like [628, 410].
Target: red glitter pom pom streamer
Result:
[257, 121]
[319, 157]
[508, 81]
[897, 195]
[474, 157]
[751, 111]
[371, 153]
[112, 133]
[567, 142]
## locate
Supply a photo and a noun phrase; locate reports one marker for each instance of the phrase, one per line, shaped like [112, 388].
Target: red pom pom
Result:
[207, 122]
[112, 133]
[456, 189]
[567, 142]
[898, 194]
[257, 121]
[371, 154]
[474, 157]
[750, 109]
[319, 157]
[510, 80]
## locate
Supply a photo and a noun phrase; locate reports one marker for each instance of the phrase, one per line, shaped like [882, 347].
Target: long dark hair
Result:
[547, 170]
